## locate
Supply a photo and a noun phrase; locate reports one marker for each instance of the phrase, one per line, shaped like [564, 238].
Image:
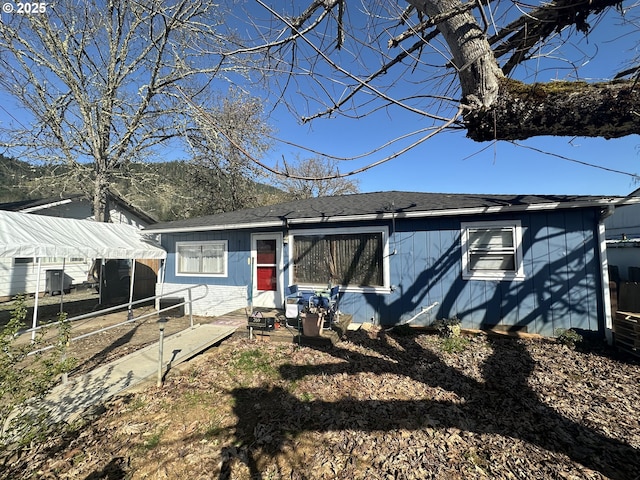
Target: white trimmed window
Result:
[356, 258]
[202, 258]
[492, 250]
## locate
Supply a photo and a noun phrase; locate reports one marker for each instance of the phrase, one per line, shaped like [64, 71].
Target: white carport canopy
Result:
[24, 235]
[27, 235]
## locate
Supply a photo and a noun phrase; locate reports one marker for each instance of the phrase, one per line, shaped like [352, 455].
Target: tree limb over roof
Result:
[432, 57]
[608, 110]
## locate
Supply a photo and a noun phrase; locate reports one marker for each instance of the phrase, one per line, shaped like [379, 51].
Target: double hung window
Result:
[202, 258]
[492, 250]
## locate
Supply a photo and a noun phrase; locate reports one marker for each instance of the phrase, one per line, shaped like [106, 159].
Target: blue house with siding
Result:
[533, 263]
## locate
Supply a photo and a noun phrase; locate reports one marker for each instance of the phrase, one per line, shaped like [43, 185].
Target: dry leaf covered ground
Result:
[378, 405]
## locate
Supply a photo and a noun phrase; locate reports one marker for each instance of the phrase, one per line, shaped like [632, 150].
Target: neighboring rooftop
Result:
[39, 204]
[378, 205]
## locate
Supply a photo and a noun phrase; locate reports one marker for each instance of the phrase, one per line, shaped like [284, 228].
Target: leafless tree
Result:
[228, 131]
[500, 70]
[313, 177]
[96, 81]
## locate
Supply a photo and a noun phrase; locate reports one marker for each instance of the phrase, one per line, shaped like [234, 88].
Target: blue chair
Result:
[327, 301]
[295, 302]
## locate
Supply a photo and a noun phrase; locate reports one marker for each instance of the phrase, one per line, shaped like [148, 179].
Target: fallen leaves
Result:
[373, 407]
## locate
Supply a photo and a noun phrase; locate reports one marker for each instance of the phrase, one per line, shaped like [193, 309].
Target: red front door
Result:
[267, 274]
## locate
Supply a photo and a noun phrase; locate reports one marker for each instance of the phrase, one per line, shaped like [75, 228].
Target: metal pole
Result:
[251, 263]
[35, 303]
[161, 322]
[64, 264]
[132, 278]
[101, 279]
[190, 308]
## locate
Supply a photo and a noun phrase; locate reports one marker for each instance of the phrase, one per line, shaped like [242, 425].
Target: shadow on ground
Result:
[502, 403]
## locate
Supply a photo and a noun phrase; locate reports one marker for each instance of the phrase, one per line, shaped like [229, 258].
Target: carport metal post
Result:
[35, 303]
[100, 280]
[64, 264]
[190, 308]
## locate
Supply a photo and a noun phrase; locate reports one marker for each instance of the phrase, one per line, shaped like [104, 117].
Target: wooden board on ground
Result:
[626, 330]
[629, 297]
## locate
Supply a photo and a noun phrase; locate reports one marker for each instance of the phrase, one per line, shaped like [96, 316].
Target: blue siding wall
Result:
[239, 270]
[562, 288]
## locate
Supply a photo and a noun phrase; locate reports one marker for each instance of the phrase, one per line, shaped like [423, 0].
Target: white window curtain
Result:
[189, 259]
[213, 258]
[202, 258]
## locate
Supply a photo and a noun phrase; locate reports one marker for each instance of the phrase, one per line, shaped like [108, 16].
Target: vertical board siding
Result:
[510, 294]
[527, 301]
[450, 280]
[473, 293]
[239, 251]
[557, 283]
[23, 279]
[576, 271]
[589, 275]
[537, 318]
[561, 288]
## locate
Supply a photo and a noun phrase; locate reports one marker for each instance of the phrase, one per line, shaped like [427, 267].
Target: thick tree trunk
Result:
[101, 198]
[473, 58]
[608, 110]
[497, 108]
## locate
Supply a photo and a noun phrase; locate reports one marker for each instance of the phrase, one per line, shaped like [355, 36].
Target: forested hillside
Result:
[164, 189]
[14, 176]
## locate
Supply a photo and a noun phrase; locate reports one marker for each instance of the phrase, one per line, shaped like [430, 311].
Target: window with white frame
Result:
[492, 250]
[350, 257]
[202, 258]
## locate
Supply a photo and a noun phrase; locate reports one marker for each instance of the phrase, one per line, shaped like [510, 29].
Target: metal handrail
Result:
[129, 320]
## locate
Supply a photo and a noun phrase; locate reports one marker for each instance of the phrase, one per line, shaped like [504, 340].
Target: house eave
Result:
[208, 228]
[286, 223]
[46, 205]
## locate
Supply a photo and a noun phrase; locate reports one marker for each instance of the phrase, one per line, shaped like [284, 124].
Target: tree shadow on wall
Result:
[556, 292]
[502, 403]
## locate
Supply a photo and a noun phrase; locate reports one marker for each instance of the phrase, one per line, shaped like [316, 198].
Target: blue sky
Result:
[452, 163]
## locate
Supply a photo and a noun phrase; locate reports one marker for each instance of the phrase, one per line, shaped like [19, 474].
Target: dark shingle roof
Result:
[23, 205]
[373, 205]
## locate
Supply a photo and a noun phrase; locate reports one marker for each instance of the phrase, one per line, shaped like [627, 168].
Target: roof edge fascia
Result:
[207, 228]
[44, 206]
[604, 202]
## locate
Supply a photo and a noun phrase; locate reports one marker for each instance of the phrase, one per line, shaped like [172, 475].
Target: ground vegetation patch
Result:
[377, 405]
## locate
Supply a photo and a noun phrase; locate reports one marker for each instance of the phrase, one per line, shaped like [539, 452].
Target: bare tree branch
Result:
[447, 55]
[96, 80]
[210, 120]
